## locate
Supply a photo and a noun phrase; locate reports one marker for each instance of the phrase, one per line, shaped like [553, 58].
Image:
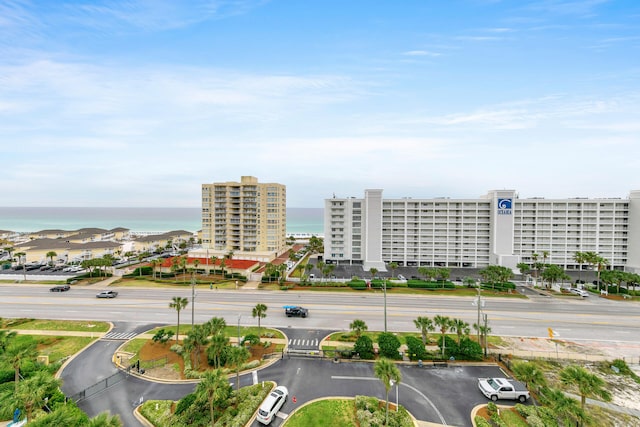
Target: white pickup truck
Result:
[503, 388]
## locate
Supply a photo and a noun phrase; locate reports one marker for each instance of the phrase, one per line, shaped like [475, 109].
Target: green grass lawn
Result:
[57, 348]
[329, 412]
[56, 325]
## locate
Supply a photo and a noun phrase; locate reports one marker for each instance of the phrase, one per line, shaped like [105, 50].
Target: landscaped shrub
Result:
[415, 348]
[451, 346]
[162, 336]
[481, 422]
[469, 350]
[364, 347]
[420, 284]
[389, 345]
[184, 403]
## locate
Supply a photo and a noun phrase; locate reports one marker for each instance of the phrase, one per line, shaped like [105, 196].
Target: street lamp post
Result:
[193, 299]
[239, 317]
[478, 324]
[384, 288]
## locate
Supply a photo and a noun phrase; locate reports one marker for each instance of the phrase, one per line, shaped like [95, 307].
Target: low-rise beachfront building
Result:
[243, 267]
[496, 229]
[247, 218]
[51, 234]
[82, 235]
[36, 250]
[169, 240]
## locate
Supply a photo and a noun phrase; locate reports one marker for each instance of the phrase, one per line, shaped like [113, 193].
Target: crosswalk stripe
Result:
[119, 335]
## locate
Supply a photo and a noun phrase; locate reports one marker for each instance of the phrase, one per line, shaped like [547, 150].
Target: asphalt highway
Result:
[573, 318]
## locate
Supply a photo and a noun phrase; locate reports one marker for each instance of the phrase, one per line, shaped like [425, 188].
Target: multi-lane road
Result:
[138, 309]
[573, 318]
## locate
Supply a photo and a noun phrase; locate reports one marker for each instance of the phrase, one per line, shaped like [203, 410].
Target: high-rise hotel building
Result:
[247, 218]
[496, 229]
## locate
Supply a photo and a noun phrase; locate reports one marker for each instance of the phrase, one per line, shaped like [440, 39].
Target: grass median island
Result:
[361, 411]
[55, 325]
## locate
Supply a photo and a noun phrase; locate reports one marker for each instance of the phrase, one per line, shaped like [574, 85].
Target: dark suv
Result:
[296, 312]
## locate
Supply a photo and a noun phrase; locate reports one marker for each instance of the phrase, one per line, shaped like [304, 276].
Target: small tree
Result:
[364, 347]
[386, 371]
[358, 327]
[178, 304]
[237, 356]
[393, 266]
[443, 323]
[588, 384]
[425, 325]
[389, 345]
[259, 311]
[415, 348]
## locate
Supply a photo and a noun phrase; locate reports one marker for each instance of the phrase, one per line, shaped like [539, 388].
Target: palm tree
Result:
[17, 354]
[32, 391]
[460, 327]
[386, 371]
[18, 256]
[104, 419]
[237, 356]
[358, 327]
[579, 258]
[484, 332]
[565, 407]
[5, 339]
[373, 271]
[529, 374]
[228, 258]
[216, 389]
[50, 255]
[588, 384]
[223, 265]
[196, 263]
[524, 268]
[195, 340]
[178, 304]
[214, 260]
[545, 255]
[308, 267]
[320, 266]
[217, 346]
[425, 325]
[535, 265]
[259, 311]
[215, 326]
[182, 262]
[393, 266]
[444, 323]
[154, 264]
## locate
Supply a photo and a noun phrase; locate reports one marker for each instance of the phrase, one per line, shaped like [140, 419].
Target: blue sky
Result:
[139, 102]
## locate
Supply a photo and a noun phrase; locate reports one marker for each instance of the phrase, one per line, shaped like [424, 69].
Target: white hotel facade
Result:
[496, 229]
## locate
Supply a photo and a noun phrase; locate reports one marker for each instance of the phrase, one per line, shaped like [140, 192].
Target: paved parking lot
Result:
[437, 395]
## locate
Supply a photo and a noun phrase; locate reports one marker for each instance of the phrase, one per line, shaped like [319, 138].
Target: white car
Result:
[580, 292]
[272, 404]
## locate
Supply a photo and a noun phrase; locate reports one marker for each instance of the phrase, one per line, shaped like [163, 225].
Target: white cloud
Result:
[421, 53]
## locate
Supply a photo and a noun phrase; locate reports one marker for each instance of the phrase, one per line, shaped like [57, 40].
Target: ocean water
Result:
[30, 219]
